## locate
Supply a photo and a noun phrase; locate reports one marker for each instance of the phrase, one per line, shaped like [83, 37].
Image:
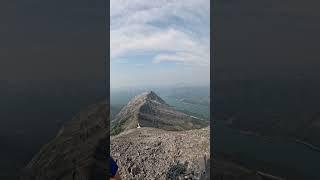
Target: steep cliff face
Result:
[77, 152]
[151, 153]
[149, 110]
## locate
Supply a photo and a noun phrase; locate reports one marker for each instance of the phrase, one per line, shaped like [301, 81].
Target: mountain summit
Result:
[150, 95]
[150, 110]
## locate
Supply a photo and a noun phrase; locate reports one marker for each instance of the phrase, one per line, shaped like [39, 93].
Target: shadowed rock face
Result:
[77, 152]
[149, 110]
[151, 153]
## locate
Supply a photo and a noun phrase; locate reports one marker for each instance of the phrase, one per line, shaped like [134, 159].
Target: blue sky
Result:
[159, 42]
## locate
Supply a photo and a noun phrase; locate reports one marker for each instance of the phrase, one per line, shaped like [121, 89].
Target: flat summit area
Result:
[151, 153]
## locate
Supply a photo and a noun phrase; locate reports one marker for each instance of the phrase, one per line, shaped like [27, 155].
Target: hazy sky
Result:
[162, 42]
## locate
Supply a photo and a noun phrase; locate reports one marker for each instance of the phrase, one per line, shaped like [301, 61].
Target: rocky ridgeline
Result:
[151, 153]
[149, 110]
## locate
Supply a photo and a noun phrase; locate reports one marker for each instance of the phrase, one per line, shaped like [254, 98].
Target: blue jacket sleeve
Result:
[113, 167]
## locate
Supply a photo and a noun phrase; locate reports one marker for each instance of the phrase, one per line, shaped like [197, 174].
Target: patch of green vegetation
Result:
[117, 128]
[176, 171]
[198, 115]
[199, 123]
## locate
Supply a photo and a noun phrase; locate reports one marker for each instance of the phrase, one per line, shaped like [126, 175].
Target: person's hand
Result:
[116, 177]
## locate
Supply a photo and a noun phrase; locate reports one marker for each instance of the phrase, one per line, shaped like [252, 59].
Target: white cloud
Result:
[143, 11]
[185, 58]
[173, 30]
[140, 65]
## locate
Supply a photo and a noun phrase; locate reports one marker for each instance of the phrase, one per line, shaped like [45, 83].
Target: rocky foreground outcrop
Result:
[77, 152]
[150, 153]
[149, 110]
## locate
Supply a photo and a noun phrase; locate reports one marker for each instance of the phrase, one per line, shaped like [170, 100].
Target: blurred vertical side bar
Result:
[54, 89]
[211, 86]
[107, 76]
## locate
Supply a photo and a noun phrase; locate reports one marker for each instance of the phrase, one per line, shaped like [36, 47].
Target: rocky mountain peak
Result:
[147, 97]
[153, 96]
[149, 110]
